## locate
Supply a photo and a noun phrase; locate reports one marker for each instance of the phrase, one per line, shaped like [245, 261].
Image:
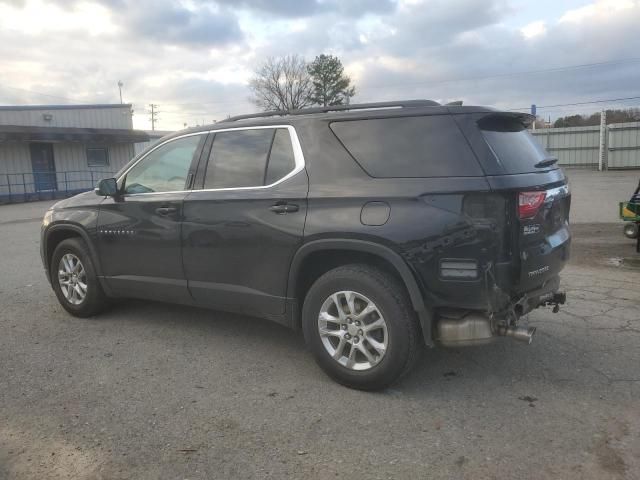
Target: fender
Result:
[95, 258]
[415, 294]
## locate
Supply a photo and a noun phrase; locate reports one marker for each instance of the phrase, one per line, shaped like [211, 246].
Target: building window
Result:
[97, 156]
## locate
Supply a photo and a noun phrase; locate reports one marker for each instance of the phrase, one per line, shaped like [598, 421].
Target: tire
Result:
[357, 287]
[630, 230]
[94, 300]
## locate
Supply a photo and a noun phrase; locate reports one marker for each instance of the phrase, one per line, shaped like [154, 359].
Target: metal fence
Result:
[580, 146]
[623, 145]
[30, 186]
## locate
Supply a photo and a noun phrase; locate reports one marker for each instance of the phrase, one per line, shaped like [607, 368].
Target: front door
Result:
[241, 230]
[43, 167]
[139, 230]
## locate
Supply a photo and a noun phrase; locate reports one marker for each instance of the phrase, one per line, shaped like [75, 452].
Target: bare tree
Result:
[282, 83]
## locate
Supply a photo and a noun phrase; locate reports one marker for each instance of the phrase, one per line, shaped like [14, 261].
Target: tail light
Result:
[529, 203]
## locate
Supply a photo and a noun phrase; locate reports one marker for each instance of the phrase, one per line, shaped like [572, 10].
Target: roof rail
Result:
[337, 108]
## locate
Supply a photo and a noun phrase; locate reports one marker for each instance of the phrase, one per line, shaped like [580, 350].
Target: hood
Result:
[82, 199]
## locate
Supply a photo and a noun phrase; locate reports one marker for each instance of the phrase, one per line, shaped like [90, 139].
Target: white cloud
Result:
[534, 29]
[39, 17]
[600, 8]
[194, 57]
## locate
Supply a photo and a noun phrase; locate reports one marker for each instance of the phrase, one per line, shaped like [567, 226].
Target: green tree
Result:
[330, 85]
[613, 116]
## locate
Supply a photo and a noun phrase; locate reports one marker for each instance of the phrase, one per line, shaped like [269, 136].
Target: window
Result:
[238, 158]
[249, 158]
[427, 146]
[512, 145]
[281, 159]
[97, 156]
[165, 169]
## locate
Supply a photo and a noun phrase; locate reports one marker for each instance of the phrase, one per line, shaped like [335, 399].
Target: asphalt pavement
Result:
[154, 391]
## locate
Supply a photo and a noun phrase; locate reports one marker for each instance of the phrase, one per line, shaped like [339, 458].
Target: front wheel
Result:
[360, 326]
[74, 279]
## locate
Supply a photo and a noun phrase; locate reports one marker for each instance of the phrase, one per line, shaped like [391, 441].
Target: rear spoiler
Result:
[524, 119]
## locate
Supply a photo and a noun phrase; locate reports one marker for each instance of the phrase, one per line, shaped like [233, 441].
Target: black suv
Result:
[376, 228]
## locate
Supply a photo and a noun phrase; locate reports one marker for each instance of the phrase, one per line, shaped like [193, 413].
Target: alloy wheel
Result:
[72, 279]
[353, 330]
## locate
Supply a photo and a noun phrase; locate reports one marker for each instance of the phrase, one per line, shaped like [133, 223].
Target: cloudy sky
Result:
[194, 57]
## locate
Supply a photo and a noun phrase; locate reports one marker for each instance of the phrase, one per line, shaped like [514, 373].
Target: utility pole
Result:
[120, 85]
[534, 112]
[602, 154]
[154, 114]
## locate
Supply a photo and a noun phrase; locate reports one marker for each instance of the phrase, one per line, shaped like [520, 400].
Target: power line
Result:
[37, 93]
[216, 102]
[391, 85]
[219, 113]
[509, 74]
[461, 79]
[610, 100]
[154, 112]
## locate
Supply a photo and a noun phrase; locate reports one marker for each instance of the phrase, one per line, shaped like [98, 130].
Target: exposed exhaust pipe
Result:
[521, 334]
[460, 328]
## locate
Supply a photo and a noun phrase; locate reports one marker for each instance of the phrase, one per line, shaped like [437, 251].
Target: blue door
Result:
[43, 167]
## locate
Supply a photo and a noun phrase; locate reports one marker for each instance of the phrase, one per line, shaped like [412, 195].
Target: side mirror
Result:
[107, 187]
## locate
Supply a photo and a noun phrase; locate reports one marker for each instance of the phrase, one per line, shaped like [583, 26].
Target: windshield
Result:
[513, 146]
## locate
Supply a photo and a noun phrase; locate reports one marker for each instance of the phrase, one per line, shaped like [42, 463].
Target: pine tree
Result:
[330, 85]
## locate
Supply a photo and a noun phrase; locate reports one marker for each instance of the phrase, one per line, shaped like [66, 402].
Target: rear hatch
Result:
[543, 234]
[536, 192]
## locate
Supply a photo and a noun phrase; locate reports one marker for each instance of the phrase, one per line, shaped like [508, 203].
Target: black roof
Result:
[398, 108]
[339, 108]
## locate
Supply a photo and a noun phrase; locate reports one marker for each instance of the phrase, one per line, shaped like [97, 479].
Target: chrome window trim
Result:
[155, 147]
[298, 157]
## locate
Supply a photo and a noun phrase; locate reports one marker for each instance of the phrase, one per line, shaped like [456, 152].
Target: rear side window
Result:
[249, 158]
[281, 159]
[512, 145]
[238, 158]
[428, 146]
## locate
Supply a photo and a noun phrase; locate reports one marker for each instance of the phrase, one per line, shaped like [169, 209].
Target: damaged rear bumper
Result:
[459, 327]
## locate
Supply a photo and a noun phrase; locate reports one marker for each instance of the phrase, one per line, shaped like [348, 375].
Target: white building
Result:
[154, 137]
[55, 150]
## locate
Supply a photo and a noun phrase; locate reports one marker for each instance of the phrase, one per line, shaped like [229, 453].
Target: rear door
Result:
[243, 226]
[533, 186]
[543, 236]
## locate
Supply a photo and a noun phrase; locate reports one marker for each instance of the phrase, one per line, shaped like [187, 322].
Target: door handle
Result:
[166, 210]
[282, 208]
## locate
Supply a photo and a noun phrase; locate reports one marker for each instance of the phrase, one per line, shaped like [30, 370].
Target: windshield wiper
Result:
[547, 162]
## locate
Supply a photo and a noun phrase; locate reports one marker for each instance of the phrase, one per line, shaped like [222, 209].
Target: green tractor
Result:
[630, 214]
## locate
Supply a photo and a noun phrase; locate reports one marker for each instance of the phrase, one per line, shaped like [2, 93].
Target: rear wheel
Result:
[360, 326]
[74, 279]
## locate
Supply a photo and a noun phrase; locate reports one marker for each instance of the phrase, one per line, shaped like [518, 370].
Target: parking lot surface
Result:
[595, 195]
[154, 391]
